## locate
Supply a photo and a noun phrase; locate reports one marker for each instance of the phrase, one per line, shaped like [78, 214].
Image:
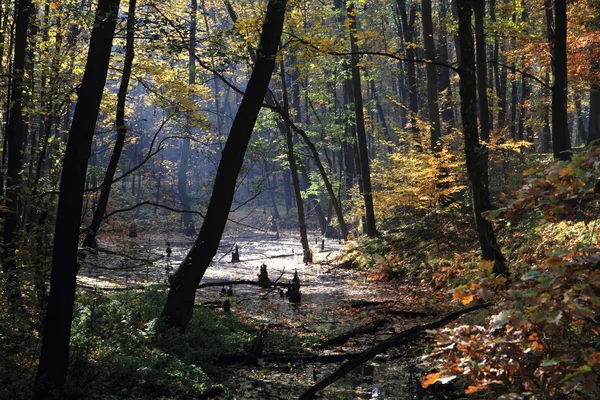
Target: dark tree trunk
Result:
[561, 141]
[14, 140]
[365, 174]
[484, 110]
[432, 93]
[92, 231]
[480, 194]
[182, 289]
[594, 120]
[54, 357]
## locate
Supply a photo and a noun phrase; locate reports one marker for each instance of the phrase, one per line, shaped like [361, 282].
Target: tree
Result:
[15, 137]
[365, 174]
[432, 93]
[179, 307]
[184, 198]
[557, 28]
[105, 188]
[468, 95]
[52, 370]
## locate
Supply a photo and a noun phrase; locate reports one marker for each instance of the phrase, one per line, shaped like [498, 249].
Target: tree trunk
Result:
[92, 231]
[188, 222]
[444, 73]
[484, 110]
[561, 141]
[479, 191]
[365, 172]
[14, 139]
[432, 93]
[594, 121]
[182, 289]
[579, 119]
[408, 23]
[289, 140]
[52, 369]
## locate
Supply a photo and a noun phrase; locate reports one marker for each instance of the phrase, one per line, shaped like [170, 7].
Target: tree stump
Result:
[263, 277]
[133, 230]
[294, 295]
[257, 348]
[308, 257]
[235, 256]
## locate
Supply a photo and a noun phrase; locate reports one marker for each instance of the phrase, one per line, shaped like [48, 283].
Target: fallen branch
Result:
[395, 340]
[371, 327]
[240, 282]
[286, 357]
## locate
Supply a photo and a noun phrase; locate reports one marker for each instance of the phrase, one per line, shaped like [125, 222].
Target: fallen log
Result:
[395, 340]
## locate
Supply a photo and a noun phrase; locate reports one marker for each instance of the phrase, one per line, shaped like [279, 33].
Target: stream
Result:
[326, 307]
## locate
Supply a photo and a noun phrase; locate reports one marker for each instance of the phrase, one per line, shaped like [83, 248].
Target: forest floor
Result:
[334, 300]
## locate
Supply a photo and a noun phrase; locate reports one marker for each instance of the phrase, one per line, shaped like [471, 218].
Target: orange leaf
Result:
[473, 389]
[464, 298]
[430, 379]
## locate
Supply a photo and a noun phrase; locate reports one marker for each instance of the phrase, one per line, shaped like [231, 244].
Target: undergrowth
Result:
[541, 339]
[115, 353]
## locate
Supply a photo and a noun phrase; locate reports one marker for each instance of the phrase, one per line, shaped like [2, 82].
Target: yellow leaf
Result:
[430, 379]
[486, 265]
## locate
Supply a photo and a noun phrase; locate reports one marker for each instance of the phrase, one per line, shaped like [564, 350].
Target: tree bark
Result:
[182, 289]
[479, 190]
[92, 231]
[52, 369]
[365, 173]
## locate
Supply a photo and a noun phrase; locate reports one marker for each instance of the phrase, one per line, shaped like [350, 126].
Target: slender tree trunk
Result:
[561, 141]
[408, 23]
[52, 371]
[432, 93]
[594, 119]
[484, 109]
[444, 73]
[182, 184]
[289, 140]
[579, 119]
[480, 194]
[182, 288]
[92, 231]
[365, 172]
[14, 139]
